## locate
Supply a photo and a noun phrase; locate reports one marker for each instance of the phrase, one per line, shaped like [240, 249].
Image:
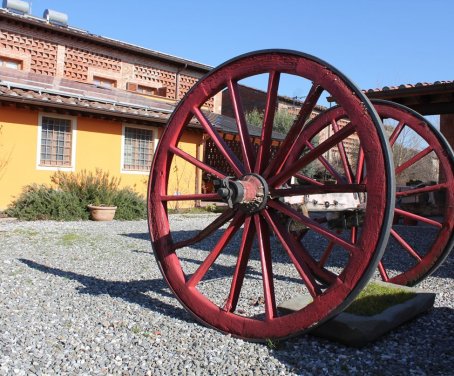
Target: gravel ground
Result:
[88, 298]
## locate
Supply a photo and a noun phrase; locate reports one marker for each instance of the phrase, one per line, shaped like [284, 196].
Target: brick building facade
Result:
[63, 52]
[73, 101]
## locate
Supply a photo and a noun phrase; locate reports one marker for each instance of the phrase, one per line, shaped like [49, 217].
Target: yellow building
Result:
[72, 101]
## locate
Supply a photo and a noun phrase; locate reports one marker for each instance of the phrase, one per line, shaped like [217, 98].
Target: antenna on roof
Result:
[54, 17]
[17, 6]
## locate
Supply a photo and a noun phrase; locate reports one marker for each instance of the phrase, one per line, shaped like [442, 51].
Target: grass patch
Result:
[136, 329]
[70, 239]
[375, 298]
[25, 232]
[198, 210]
[272, 344]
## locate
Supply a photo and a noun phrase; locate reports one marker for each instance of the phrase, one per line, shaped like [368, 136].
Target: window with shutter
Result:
[138, 148]
[56, 142]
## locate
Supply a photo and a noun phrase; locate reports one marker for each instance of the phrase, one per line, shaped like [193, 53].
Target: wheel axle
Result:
[250, 193]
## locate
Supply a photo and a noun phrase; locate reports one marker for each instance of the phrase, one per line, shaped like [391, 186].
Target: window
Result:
[104, 82]
[56, 142]
[147, 90]
[138, 148]
[10, 63]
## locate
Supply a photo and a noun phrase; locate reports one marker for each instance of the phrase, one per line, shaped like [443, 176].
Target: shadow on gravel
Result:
[392, 262]
[221, 271]
[425, 344]
[446, 269]
[138, 235]
[131, 291]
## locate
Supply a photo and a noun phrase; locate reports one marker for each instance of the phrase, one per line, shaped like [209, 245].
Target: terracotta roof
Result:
[410, 86]
[426, 98]
[79, 100]
[51, 93]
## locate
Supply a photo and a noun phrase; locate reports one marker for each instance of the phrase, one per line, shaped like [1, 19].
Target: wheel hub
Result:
[249, 193]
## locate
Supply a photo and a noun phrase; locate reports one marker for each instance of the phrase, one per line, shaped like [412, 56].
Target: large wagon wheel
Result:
[251, 231]
[430, 206]
[412, 253]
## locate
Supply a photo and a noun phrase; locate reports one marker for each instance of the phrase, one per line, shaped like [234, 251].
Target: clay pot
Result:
[102, 213]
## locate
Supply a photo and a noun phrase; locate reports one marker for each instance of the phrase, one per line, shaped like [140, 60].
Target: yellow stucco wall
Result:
[184, 177]
[98, 145]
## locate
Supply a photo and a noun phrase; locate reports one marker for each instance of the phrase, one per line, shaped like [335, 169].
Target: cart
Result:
[251, 257]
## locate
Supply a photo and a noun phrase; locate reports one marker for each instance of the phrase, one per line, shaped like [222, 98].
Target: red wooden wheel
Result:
[247, 251]
[421, 154]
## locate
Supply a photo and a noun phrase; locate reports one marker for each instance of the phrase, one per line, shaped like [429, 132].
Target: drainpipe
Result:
[177, 81]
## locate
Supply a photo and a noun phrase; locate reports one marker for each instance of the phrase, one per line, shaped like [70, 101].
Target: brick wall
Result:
[37, 55]
[59, 55]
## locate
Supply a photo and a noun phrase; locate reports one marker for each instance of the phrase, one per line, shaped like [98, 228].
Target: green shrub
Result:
[38, 202]
[91, 188]
[130, 205]
[71, 195]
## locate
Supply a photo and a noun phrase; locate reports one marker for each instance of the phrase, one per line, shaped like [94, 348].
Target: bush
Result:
[71, 195]
[38, 202]
[96, 189]
[129, 205]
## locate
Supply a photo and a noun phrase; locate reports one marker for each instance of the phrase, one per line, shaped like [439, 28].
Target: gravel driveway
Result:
[88, 298]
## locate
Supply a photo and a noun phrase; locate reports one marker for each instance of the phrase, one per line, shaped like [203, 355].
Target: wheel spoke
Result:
[196, 162]
[405, 245]
[418, 218]
[291, 247]
[315, 189]
[246, 145]
[397, 131]
[207, 231]
[343, 154]
[307, 179]
[263, 239]
[413, 160]
[189, 197]
[313, 225]
[327, 165]
[285, 174]
[225, 238]
[292, 136]
[354, 234]
[228, 154]
[326, 254]
[382, 271]
[267, 128]
[360, 166]
[240, 269]
[415, 191]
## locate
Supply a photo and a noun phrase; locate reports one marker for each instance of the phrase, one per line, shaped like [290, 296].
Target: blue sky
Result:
[375, 43]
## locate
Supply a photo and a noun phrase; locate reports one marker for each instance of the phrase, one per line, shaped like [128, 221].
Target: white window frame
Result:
[73, 120]
[154, 131]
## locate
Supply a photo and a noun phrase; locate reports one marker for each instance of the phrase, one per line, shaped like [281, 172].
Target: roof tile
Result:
[408, 86]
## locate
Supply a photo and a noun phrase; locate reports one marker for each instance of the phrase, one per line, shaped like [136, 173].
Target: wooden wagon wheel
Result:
[436, 221]
[408, 260]
[250, 231]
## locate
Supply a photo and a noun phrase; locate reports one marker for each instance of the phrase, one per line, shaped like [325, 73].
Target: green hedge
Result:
[38, 202]
[71, 193]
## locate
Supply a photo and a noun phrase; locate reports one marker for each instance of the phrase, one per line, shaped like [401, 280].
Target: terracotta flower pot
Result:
[102, 213]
